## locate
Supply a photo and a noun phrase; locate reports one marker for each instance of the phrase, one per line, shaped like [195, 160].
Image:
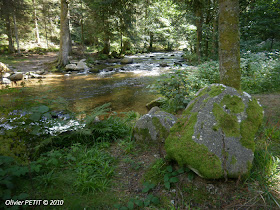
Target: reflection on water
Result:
[125, 88]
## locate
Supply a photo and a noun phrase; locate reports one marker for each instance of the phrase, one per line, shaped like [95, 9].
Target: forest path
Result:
[34, 62]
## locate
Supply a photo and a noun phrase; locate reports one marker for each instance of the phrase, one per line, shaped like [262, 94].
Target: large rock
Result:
[71, 67]
[215, 135]
[82, 65]
[153, 127]
[4, 68]
[156, 102]
[126, 61]
[16, 76]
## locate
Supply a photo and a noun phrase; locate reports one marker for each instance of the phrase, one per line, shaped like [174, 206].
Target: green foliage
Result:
[260, 72]
[177, 87]
[92, 167]
[266, 165]
[134, 203]
[170, 176]
[11, 174]
[148, 186]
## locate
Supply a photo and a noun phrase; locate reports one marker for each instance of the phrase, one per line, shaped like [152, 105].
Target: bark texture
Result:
[36, 22]
[64, 35]
[229, 43]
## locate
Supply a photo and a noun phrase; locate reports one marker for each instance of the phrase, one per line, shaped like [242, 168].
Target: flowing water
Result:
[124, 85]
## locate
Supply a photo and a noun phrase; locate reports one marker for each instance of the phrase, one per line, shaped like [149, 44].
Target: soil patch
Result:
[34, 62]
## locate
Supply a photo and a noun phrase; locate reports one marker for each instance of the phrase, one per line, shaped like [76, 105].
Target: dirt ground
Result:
[34, 62]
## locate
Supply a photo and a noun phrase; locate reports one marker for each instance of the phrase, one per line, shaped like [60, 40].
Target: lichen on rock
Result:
[215, 135]
[153, 127]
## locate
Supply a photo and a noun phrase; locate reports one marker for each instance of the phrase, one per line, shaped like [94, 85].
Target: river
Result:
[124, 86]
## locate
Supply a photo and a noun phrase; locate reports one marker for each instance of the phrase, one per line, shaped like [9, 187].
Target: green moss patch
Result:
[180, 146]
[250, 126]
[227, 122]
[233, 160]
[216, 90]
[162, 131]
[233, 103]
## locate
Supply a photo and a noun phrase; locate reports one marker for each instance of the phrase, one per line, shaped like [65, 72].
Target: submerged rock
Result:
[163, 65]
[215, 135]
[153, 127]
[126, 61]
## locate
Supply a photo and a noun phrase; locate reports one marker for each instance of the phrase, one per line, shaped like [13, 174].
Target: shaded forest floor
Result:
[29, 62]
[143, 164]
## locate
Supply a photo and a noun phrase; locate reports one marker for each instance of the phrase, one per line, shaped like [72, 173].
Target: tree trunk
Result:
[9, 34]
[36, 22]
[106, 40]
[64, 36]
[46, 32]
[151, 41]
[82, 26]
[16, 33]
[229, 43]
[215, 43]
[198, 24]
[207, 22]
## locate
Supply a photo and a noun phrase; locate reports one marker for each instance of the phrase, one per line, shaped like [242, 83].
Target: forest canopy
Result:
[129, 26]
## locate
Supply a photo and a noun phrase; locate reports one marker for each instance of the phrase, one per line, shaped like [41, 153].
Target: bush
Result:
[176, 87]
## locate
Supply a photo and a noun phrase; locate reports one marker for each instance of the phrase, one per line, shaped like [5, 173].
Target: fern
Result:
[101, 110]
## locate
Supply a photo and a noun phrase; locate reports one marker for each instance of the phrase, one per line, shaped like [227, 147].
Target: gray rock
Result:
[126, 61]
[6, 75]
[16, 76]
[153, 127]
[155, 102]
[36, 76]
[82, 65]
[215, 135]
[71, 67]
[163, 65]
[6, 81]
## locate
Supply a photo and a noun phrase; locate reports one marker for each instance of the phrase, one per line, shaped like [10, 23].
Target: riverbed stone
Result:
[163, 64]
[4, 68]
[215, 135]
[153, 127]
[126, 61]
[82, 65]
[156, 102]
[71, 67]
[16, 76]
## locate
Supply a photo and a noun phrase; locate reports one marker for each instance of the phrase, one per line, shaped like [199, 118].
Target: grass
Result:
[11, 59]
[116, 171]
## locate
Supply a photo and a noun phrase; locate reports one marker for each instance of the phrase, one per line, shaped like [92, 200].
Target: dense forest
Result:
[134, 26]
[148, 104]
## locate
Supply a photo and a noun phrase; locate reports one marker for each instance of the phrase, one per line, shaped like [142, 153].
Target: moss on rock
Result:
[180, 146]
[250, 126]
[227, 122]
[233, 103]
[216, 133]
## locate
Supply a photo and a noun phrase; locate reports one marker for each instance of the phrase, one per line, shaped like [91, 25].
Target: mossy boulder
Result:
[153, 127]
[215, 135]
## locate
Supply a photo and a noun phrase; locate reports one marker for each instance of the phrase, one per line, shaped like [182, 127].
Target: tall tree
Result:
[64, 49]
[6, 15]
[36, 21]
[229, 43]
